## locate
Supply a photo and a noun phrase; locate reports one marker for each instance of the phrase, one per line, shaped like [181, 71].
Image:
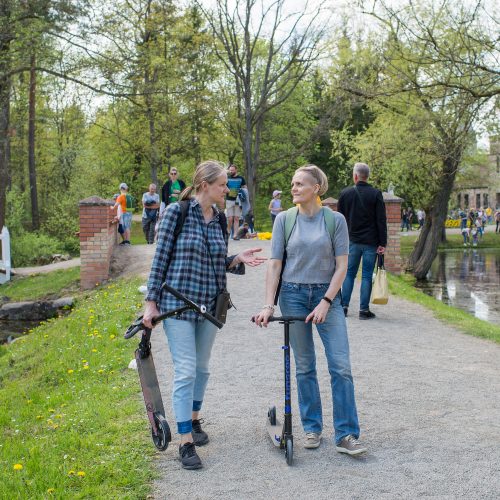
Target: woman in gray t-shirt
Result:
[315, 268]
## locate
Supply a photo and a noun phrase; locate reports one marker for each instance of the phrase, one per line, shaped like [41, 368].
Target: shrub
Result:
[33, 249]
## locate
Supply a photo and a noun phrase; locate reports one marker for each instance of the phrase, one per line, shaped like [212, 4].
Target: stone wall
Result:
[393, 212]
[98, 236]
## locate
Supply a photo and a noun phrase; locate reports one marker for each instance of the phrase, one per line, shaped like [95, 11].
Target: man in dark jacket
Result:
[363, 207]
[171, 189]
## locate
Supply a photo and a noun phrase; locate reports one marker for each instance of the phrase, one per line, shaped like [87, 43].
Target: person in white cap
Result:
[275, 205]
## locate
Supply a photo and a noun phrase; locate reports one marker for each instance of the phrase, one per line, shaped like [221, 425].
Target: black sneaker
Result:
[200, 437]
[188, 456]
[345, 310]
[366, 315]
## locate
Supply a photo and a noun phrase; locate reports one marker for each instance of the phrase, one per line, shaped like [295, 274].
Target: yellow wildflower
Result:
[50, 491]
[18, 467]
[70, 371]
[81, 473]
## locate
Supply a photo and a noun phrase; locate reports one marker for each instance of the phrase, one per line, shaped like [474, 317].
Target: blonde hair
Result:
[207, 171]
[318, 175]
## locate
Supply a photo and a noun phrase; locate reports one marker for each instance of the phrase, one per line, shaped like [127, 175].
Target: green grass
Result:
[402, 286]
[136, 234]
[454, 241]
[70, 405]
[39, 286]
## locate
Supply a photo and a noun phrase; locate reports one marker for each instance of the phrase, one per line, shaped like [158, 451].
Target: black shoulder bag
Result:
[223, 301]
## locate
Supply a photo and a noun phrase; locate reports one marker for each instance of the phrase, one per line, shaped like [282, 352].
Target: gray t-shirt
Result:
[310, 253]
[149, 198]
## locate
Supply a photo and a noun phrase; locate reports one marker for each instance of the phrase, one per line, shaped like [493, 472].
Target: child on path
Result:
[275, 205]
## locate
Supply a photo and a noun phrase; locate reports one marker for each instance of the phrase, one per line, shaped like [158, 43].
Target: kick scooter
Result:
[282, 436]
[160, 430]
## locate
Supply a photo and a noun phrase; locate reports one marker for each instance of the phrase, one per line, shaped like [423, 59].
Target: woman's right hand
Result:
[262, 319]
[150, 312]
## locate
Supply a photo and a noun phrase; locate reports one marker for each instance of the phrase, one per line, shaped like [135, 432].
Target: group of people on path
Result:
[316, 285]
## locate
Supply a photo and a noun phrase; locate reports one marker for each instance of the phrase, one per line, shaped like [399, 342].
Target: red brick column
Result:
[98, 236]
[392, 259]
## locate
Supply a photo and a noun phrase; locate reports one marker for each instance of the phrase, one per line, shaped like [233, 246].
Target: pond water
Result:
[468, 279]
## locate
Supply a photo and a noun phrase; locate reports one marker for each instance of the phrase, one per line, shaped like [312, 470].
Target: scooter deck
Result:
[149, 383]
[275, 432]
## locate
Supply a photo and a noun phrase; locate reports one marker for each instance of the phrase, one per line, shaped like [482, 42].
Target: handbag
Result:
[380, 288]
[223, 300]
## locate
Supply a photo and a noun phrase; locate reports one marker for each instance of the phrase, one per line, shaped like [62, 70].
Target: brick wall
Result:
[98, 236]
[393, 212]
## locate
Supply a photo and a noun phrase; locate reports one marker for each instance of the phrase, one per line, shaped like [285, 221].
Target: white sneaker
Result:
[313, 439]
[351, 446]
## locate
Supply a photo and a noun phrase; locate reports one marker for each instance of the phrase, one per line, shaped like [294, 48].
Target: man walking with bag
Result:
[363, 207]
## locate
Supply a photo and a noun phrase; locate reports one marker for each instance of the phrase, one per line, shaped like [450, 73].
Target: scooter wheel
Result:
[271, 415]
[164, 436]
[289, 451]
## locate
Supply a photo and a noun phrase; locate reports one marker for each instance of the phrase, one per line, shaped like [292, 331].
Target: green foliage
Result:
[29, 249]
[71, 406]
[41, 286]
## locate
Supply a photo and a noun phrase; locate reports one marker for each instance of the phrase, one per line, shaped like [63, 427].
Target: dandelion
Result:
[38, 417]
[18, 467]
[81, 473]
[59, 416]
[100, 371]
[50, 491]
[94, 350]
[70, 371]
[84, 360]
[29, 401]
[71, 473]
[86, 367]
[112, 336]
[51, 410]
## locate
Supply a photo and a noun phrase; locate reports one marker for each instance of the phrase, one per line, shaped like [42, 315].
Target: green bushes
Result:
[33, 249]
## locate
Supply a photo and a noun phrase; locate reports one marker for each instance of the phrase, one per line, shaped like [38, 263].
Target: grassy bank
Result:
[453, 241]
[41, 286]
[402, 286]
[73, 423]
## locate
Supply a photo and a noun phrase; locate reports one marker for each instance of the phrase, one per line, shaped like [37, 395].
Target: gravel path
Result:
[428, 401]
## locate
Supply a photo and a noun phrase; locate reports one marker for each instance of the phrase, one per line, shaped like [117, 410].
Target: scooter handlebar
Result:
[199, 309]
[284, 319]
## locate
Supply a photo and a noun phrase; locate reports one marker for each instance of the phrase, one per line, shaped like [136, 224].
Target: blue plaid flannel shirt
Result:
[185, 264]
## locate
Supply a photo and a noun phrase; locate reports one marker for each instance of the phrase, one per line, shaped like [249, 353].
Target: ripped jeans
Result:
[299, 300]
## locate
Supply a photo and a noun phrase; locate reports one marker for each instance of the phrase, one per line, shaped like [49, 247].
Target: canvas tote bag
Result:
[380, 288]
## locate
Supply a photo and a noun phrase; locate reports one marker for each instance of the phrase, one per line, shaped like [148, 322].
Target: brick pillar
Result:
[98, 236]
[392, 259]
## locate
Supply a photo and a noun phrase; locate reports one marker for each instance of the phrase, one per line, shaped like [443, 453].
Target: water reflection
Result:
[468, 279]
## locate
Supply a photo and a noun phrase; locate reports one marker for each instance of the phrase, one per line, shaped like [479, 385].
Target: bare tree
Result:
[266, 61]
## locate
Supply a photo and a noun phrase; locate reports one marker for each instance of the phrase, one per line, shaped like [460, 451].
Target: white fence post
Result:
[5, 262]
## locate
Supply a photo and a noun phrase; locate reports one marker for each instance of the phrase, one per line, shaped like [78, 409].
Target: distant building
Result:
[484, 189]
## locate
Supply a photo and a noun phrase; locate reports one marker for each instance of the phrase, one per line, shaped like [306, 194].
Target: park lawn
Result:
[402, 286]
[73, 423]
[454, 241]
[40, 286]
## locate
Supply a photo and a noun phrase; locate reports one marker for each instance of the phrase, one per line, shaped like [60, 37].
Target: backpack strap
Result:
[184, 204]
[290, 220]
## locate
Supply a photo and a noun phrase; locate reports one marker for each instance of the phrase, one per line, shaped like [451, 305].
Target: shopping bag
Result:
[380, 288]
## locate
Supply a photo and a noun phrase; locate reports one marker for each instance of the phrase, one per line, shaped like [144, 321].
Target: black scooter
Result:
[282, 436]
[160, 430]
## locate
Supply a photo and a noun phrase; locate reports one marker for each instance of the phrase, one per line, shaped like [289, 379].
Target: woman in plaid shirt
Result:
[195, 264]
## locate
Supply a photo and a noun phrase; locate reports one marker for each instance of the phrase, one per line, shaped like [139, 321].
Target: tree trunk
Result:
[425, 250]
[35, 214]
[5, 39]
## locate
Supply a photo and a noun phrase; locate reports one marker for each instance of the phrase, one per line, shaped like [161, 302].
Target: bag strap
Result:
[380, 261]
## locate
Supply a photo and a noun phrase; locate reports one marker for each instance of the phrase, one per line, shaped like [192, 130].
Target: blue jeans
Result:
[369, 254]
[190, 345]
[299, 300]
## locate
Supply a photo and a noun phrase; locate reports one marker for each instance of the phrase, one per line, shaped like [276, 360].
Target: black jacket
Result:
[366, 218]
[165, 190]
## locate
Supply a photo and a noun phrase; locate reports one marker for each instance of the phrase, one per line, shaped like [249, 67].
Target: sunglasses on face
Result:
[173, 173]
